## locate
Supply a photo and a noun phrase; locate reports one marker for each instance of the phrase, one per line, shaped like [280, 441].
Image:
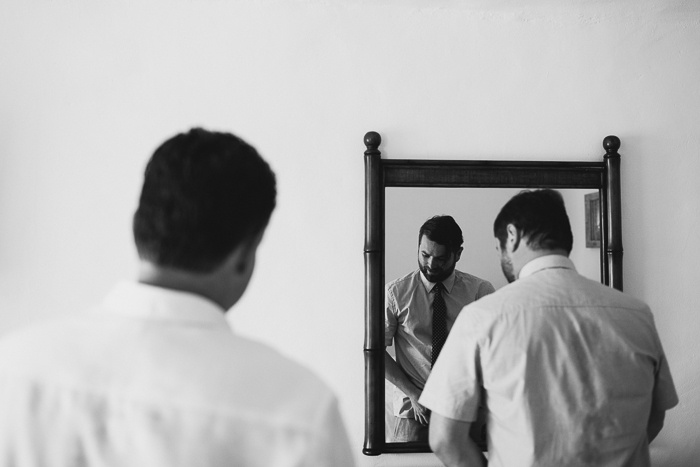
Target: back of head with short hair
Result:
[443, 230]
[204, 193]
[541, 217]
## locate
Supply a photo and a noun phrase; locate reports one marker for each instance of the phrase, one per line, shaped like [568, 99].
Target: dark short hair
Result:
[204, 193]
[443, 230]
[541, 217]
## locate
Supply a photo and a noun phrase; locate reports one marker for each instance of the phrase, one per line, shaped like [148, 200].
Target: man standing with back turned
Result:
[420, 310]
[573, 372]
[155, 376]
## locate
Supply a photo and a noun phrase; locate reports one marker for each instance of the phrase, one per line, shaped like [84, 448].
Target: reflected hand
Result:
[420, 412]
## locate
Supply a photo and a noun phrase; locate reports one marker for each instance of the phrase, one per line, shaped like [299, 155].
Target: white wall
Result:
[89, 89]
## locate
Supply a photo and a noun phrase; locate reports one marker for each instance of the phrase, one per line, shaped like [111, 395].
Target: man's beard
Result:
[507, 267]
[438, 276]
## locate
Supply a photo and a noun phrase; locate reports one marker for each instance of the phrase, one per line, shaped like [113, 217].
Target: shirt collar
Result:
[546, 262]
[447, 283]
[148, 301]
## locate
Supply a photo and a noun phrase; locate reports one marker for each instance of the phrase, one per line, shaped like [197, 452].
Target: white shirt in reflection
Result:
[408, 322]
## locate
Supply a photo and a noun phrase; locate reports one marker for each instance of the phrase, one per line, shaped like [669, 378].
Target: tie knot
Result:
[438, 287]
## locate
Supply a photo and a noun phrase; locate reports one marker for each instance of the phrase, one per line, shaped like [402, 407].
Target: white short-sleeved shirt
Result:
[157, 378]
[408, 322]
[570, 369]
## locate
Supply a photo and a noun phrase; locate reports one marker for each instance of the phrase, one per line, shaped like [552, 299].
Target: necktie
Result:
[439, 321]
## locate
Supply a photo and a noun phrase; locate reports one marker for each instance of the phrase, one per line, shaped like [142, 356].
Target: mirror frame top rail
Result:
[603, 175]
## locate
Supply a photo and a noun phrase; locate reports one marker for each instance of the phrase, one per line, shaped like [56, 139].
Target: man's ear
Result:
[514, 236]
[458, 254]
[237, 262]
[246, 254]
[243, 256]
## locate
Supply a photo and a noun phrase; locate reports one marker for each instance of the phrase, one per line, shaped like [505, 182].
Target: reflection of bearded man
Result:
[409, 320]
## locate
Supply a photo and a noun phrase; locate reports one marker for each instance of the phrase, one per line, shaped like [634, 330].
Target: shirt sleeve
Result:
[330, 445]
[453, 388]
[390, 313]
[664, 396]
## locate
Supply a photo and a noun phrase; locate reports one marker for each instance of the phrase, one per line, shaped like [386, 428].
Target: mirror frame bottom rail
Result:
[381, 173]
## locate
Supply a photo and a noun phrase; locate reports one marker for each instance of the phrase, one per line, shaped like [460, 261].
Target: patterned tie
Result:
[439, 321]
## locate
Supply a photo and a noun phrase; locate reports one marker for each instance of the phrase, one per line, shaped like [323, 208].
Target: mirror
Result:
[400, 194]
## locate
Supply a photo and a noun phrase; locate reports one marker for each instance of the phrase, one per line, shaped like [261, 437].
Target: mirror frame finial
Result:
[372, 141]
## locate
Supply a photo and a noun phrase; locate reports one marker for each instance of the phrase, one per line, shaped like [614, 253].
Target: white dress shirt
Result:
[570, 369]
[157, 378]
[408, 322]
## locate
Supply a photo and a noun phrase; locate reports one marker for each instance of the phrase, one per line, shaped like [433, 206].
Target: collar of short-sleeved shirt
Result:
[546, 262]
[158, 303]
[447, 283]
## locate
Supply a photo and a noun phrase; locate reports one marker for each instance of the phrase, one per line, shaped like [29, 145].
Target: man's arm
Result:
[656, 422]
[330, 444]
[664, 396]
[450, 441]
[396, 376]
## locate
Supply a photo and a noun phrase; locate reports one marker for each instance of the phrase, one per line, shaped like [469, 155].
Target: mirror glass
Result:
[474, 210]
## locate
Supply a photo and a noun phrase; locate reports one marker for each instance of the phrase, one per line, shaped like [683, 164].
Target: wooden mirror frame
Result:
[382, 173]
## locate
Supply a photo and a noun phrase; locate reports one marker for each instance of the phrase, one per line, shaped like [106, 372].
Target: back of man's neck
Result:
[176, 279]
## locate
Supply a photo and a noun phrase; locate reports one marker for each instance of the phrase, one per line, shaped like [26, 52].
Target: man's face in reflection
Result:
[436, 261]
